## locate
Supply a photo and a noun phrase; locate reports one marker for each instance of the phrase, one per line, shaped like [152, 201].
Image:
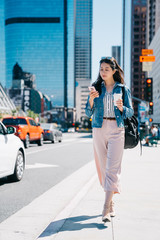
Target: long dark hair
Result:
[118, 75]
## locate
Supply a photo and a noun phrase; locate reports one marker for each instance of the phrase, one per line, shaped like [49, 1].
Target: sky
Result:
[107, 30]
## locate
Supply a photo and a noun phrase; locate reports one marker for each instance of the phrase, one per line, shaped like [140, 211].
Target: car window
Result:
[14, 121]
[32, 122]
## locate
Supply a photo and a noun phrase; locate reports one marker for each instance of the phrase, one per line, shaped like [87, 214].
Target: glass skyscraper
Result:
[83, 50]
[2, 44]
[126, 41]
[83, 39]
[40, 38]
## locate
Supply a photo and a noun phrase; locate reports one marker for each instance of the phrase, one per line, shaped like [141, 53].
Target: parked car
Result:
[51, 132]
[12, 154]
[71, 130]
[26, 129]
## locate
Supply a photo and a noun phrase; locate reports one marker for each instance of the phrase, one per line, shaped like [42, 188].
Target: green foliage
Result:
[32, 114]
[14, 112]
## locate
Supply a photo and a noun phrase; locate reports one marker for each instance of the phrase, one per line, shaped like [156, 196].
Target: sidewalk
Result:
[72, 209]
[137, 207]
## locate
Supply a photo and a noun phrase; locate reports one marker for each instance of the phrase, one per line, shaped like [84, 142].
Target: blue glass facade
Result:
[2, 44]
[36, 38]
[83, 51]
[71, 6]
[126, 46]
[83, 41]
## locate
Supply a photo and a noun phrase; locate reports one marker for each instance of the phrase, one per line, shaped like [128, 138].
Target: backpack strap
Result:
[123, 91]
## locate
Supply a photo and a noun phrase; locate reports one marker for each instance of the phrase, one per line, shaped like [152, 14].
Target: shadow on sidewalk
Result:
[71, 224]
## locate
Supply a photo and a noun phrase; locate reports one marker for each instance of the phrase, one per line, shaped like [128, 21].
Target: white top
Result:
[108, 102]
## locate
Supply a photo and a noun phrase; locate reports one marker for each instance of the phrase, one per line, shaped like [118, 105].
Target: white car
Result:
[71, 130]
[12, 154]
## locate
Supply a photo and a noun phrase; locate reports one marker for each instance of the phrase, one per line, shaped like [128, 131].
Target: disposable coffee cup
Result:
[117, 96]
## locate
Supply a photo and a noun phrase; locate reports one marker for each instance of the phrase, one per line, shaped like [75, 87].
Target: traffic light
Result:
[150, 108]
[151, 120]
[149, 89]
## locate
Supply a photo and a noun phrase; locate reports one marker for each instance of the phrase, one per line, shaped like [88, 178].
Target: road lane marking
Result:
[46, 149]
[59, 146]
[39, 165]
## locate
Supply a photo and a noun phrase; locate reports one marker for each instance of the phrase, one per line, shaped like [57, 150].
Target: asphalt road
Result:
[45, 167]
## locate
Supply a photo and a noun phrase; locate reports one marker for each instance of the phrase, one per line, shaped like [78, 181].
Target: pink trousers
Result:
[108, 144]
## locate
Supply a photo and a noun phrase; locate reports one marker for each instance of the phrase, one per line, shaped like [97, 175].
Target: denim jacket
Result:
[98, 107]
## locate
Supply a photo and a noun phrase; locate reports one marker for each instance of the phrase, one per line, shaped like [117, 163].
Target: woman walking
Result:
[106, 105]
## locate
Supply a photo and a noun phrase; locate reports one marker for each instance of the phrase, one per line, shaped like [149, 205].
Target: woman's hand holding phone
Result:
[93, 94]
[91, 88]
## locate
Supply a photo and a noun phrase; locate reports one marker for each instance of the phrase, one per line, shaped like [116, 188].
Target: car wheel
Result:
[40, 141]
[60, 139]
[52, 141]
[19, 168]
[27, 141]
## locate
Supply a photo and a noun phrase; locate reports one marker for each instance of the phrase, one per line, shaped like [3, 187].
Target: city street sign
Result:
[146, 66]
[147, 58]
[147, 51]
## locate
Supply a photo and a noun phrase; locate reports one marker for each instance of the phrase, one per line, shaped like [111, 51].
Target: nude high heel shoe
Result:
[106, 210]
[112, 210]
[106, 215]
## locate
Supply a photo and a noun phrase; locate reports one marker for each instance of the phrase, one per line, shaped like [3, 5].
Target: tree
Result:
[32, 114]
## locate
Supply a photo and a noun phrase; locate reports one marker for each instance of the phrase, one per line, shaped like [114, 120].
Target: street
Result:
[45, 167]
[60, 196]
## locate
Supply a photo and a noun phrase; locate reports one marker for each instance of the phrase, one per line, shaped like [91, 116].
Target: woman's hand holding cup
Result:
[118, 101]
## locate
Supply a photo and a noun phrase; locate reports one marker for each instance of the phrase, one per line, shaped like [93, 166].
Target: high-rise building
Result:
[116, 53]
[153, 19]
[134, 40]
[52, 40]
[2, 44]
[153, 40]
[83, 50]
[126, 41]
[155, 75]
[40, 38]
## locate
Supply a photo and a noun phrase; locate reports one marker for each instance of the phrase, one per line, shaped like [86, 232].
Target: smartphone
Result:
[92, 88]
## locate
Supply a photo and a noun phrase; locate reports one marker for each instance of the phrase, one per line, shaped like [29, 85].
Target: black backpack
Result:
[132, 136]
